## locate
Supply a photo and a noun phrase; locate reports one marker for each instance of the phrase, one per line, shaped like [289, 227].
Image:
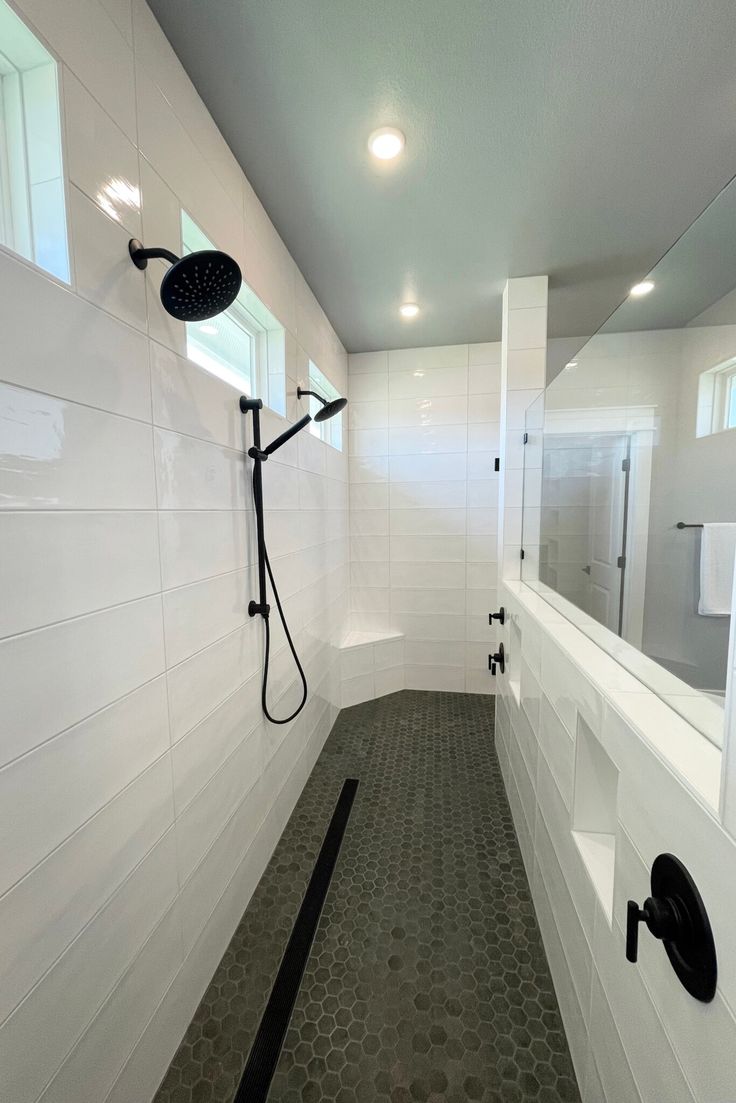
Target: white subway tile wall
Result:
[423, 498]
[142, 791]
[634, 1033]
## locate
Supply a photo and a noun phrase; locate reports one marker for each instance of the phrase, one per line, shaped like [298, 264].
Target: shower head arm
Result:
[141, 256]
[300, 393]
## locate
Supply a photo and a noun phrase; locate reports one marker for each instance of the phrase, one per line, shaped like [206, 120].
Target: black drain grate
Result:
[264, 1055]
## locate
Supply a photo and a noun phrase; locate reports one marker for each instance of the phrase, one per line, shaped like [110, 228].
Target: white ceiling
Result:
[573, 137]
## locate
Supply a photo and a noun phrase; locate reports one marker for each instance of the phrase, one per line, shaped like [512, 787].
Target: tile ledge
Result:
[360, 639]
[696, 762]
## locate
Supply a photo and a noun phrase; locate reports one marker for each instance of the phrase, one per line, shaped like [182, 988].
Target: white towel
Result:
[717, 552]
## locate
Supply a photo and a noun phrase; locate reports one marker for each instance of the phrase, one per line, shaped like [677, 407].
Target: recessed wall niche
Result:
[594, 815]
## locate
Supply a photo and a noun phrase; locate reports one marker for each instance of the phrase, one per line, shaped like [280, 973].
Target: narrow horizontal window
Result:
[32, 196]
[329, 431]
[243, 346]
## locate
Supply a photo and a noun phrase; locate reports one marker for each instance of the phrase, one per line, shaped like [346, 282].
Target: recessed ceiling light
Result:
[386, 143]
[642, 288]
[571, 365]
[408, 310]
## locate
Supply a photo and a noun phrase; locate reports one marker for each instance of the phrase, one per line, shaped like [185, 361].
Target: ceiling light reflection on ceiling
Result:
[409, 310]
[210, 330]
[571, 365]
[642, 288]
[386, 143]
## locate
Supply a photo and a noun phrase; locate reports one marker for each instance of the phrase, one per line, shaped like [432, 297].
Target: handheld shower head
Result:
[329, 409]
[197, 286]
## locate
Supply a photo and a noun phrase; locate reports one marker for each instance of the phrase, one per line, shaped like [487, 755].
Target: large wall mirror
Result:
[630, 482]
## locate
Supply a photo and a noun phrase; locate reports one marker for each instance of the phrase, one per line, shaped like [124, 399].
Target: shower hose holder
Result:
[675, 913]
[254, 406]
[259, 455]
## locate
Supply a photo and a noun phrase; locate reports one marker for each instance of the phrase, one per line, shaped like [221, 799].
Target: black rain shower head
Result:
[329, 409]
[197, 286]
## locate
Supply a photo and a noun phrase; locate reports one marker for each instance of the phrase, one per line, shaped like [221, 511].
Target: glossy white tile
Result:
[423, 439]
[193, 474]
[203, 612]
[84, 976]
[60, 455]
[360, 363]
[99, 559]
[190, 400]
[102, 161]
[426, 411]
[89, 1072]
[427, 522]
[54, 677]
[202, 682]
[432, 383]
[199, 544]
[81, 353]
[105, 274]
[49, 793]
[447, 549]
[433, 357]
[107, 71]
[46, 910]
[200, 823]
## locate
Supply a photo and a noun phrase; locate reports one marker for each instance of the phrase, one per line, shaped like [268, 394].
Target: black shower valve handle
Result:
[498, 660]
[676, 915]
[500, 616]
[661, 917]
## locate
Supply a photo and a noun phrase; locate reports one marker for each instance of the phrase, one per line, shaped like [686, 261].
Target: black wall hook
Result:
[675, 913]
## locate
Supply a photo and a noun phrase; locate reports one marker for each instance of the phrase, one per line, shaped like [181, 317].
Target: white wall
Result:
[142, 793]
[423, 506]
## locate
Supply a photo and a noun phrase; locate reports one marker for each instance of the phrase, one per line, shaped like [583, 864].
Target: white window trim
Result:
[715, 387]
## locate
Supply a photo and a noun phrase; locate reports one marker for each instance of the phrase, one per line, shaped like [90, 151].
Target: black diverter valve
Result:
[497, 660]
[675, 913]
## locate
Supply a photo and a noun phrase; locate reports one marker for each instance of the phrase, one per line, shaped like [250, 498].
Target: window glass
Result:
[716, 409]
[32, 201]
[329, 431]
[730, 419]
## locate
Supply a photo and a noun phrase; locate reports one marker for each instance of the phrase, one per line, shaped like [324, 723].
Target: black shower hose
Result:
[267, 655]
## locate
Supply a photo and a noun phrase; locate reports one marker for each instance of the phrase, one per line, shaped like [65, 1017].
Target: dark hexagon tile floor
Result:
[427, 981]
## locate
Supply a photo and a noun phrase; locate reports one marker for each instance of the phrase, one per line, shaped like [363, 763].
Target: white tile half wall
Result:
[602, 776]
[424, 434]
[142, 792]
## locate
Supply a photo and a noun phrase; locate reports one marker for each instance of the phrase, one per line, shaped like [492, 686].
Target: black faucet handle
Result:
[634, 916]
[675, 914]
[497, 660]
[500, 616]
